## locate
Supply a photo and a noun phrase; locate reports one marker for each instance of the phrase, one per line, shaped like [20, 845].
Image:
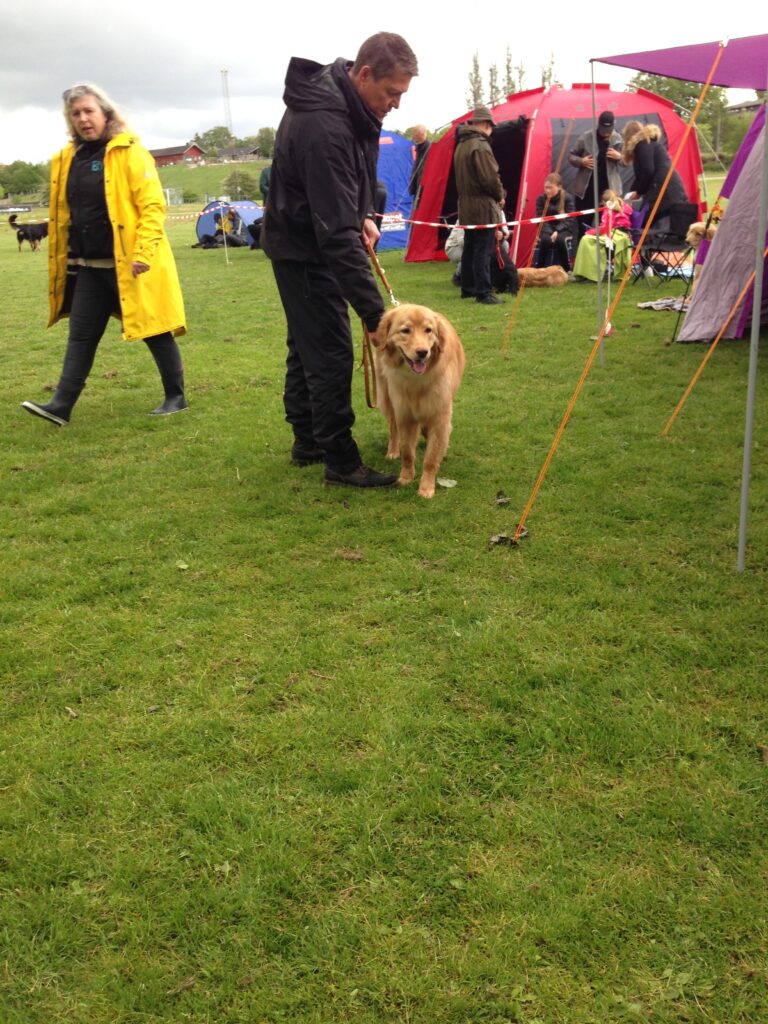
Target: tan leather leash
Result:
[368, 368]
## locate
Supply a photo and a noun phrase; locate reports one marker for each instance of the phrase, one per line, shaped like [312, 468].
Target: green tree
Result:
[494, 89]
[22, 178]
[240, 185]
[685, 96]
[548, 72]
[475, 94]
[509, 75]
[215, 139]
[266, 142]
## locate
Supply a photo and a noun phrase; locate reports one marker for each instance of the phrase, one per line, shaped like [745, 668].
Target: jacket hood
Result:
[310, 86]
[649, 133]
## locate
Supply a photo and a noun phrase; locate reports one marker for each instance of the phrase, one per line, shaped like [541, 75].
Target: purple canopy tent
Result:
[743, 64]
[727, 261]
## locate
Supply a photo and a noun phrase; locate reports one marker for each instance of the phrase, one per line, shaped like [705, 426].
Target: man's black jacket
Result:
[322, 182]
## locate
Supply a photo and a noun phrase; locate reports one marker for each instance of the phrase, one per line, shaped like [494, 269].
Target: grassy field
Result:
[274, 752]
[208, 179]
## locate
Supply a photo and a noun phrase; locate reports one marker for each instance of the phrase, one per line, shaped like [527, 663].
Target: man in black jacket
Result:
[320, 208]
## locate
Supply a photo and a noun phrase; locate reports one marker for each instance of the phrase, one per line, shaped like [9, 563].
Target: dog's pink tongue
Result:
[418, 367]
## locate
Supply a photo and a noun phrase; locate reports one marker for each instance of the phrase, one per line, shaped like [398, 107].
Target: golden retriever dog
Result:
[542, 277]
[419, 364]
[697, 232]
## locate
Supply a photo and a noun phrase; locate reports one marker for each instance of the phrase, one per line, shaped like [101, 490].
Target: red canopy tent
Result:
[528, 150]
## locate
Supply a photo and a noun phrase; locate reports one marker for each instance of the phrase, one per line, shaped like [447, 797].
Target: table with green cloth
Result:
[585, 264]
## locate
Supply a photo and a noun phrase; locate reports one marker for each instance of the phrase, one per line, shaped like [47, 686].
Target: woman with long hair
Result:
[556, 236]
[108, 253]
[644, 151]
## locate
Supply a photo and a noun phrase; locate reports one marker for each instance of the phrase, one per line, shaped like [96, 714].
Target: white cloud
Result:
[162, 62]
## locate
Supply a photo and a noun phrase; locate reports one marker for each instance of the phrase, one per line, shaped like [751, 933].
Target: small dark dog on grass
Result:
[32, 233]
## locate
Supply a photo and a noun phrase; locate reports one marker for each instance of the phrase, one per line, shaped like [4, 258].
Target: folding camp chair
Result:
[666, 251]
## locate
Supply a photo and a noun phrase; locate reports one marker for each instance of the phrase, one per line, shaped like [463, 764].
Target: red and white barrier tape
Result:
[501, 224]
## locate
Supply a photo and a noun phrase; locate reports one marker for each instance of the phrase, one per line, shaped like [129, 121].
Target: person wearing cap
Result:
[480, 195]
[582, 157]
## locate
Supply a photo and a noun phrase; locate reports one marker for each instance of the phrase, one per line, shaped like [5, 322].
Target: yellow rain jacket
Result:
[151, 303]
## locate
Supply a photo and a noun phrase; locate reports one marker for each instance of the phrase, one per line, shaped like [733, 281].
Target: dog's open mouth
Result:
[417, 365]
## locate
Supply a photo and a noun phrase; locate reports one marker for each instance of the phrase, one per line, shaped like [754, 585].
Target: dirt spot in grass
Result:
[349, 554]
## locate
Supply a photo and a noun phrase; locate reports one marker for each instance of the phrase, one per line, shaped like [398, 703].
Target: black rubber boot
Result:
[58, 410]
[166, 354]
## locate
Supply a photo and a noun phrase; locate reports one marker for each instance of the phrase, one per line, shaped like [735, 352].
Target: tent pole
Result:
[757, 304]
[595, 151]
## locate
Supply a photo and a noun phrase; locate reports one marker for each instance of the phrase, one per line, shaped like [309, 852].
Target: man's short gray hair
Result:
[385, 54]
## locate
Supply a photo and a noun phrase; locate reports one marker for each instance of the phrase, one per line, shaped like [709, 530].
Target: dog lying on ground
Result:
[542, 277]
[32, 233]
[419, 363]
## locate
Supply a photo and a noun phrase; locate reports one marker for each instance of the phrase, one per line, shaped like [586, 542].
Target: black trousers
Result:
[94, 300]
[318, 375]
[555, 253]
[479, 245]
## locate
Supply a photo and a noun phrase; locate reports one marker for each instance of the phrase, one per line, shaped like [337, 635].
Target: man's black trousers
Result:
[479, 245]
[318, 377]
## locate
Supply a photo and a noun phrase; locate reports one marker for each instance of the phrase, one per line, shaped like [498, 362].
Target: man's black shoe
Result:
[304, 455]
[360, 477]
[490, 300]
[467, 295]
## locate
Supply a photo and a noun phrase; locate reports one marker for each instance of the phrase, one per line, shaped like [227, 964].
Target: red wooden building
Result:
[189, 153]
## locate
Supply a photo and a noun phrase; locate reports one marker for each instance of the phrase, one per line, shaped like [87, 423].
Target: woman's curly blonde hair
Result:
[115, 120]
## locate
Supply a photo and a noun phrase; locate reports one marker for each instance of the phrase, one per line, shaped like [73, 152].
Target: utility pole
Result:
[225, 90]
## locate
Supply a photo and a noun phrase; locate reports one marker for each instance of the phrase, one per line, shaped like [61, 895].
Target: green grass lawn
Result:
[275, 752]
[207, 179]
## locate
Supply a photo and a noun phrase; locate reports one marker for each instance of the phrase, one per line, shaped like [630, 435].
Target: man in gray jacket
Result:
[582, 156]
[480, 194]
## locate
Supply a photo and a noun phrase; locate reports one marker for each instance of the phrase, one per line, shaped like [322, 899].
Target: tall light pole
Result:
[225, 90]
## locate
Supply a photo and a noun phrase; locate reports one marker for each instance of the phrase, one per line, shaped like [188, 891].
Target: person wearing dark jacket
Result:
[480, 192]
[645, 152]
[556, 236]
[320, 209]
[421, 146]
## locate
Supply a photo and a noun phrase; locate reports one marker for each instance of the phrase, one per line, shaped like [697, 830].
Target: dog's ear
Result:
[382, 331]
[444, 331]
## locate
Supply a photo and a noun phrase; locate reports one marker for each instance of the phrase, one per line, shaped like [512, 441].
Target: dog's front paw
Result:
[393, 453]
[405, 478]
[427, 491]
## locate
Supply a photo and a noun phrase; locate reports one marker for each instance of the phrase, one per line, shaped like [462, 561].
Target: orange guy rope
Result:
[614, 304]
[519, 297]
[712, 347]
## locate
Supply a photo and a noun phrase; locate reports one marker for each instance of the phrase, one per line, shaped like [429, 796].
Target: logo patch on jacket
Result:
[97, 165]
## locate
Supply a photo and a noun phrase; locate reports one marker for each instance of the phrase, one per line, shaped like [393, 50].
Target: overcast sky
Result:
[161, 62]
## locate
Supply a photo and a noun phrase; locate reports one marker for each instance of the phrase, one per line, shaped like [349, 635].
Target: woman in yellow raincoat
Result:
[108, 254]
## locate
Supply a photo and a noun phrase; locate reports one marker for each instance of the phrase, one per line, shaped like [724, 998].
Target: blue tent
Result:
[248, 211]
[396, 154]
